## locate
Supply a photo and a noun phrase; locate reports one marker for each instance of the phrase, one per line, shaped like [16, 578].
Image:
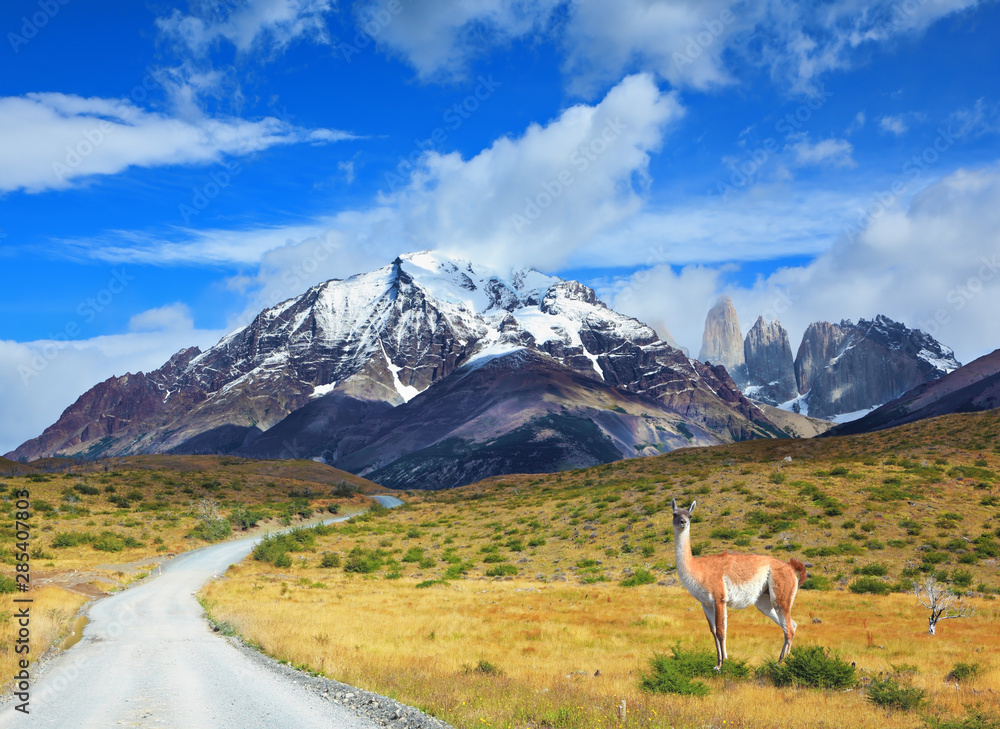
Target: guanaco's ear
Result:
[673, 505]
[691, 508]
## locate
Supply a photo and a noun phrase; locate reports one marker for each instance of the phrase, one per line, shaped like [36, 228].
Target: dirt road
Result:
[149, 659]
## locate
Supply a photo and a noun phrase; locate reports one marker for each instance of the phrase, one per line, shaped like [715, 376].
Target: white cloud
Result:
[54, 141]
[440, 38]
[270, 25]
[893, 124]
[934, 266]
[534, 198]
[174, 317]
[539, 195]
[696, 43]
[857, 123]
[38, 380]
[834, 152]
[981, 118]
[767, 222]
[187, 245]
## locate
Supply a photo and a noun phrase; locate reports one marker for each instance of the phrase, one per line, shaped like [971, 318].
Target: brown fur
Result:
[800, 568]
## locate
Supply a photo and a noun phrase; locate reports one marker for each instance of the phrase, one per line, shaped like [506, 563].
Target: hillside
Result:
[14, 468]
[509, 601]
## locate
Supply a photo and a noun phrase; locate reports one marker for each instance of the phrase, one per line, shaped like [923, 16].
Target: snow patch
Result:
[848, 417]
[407, 392]
[945, 363]
[321, 390]
[801, 400]
[489, 353]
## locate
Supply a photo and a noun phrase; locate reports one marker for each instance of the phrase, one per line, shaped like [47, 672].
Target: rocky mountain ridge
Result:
[971, 388]
[840, 371]
[333, 366]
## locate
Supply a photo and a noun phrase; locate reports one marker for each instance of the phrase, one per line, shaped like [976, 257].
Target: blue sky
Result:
[171, 168]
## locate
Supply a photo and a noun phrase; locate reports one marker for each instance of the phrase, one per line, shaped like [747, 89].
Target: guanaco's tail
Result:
[800, 568]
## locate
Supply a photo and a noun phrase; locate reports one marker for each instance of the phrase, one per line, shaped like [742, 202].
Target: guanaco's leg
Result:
[720, 632]
[783, 588]
[766, 605]
[710, 613]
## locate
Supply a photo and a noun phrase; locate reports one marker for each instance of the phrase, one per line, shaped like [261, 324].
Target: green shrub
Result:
[42, 507]
[455, 571]
[273, 546]
[362, 561]
[329, 560]
[282, 560]
[875, 569]
[889, 693]
[419, 585]
[211, 530]
[414, 554]
[7, 585]
[777, 478]
[674, 674]
[61, 540]
[639, 577]
[817, 582]
[961, 578]
[486, 668]
[810, 666]
[963, 672]
[244, 518]
[111, 542]
[666, 678]
[501, 570]
[975, 718]
[870, 585]
[81, 488]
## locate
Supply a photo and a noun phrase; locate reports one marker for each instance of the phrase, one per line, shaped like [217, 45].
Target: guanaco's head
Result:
[682, 517]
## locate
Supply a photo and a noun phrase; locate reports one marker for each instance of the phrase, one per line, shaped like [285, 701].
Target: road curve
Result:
[149, 659]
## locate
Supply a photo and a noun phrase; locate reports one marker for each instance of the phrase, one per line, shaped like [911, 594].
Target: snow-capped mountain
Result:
[345, 355]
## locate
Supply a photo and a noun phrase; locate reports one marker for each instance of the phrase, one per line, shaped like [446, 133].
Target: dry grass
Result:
[548, 641]
[51, 611]
[571, 537]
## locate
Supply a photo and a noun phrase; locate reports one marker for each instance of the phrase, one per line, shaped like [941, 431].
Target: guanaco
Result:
[722, 581]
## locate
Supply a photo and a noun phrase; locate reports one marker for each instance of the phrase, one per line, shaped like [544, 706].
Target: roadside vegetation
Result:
[564, 586]
[98, 526]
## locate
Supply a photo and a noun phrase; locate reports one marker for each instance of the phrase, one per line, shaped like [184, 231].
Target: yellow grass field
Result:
[497, 603]
[548, 642]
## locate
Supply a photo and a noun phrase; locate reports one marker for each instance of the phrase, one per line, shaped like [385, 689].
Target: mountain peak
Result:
[722, 342]
[376, 342]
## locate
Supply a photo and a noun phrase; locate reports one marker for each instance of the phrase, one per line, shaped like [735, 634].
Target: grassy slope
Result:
[169, 491]
[573, 536]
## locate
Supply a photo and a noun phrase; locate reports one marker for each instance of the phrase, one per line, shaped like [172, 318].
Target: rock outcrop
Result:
[847, 367]
[722, 342]
[769, 363]
[971, 388]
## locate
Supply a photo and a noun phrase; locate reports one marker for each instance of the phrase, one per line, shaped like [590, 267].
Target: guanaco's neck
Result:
[682, 547]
